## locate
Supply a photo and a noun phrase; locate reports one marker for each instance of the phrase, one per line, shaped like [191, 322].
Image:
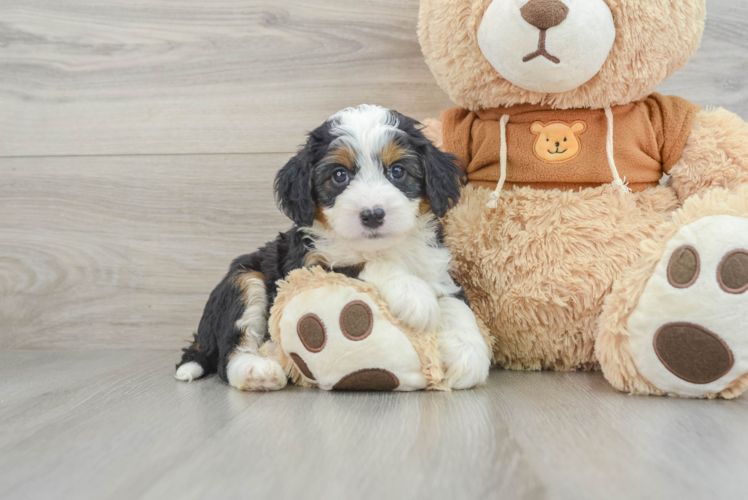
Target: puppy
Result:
[365, 194]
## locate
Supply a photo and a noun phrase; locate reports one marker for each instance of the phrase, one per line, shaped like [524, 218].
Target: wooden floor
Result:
[114, 424]
[138, 142]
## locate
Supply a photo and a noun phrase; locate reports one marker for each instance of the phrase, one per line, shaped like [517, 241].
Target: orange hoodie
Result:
[567, 149]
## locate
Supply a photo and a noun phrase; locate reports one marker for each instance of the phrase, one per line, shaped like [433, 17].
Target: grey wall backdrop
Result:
[139, 139]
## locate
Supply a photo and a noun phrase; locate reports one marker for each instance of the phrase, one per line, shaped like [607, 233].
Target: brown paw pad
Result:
[356, 320]
[303, 368]
[684, 267]
[368, 379]
[692, 353]
[312, 332]
[732, 272]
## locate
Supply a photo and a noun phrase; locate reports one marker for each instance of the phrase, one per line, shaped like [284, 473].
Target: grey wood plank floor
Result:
[114, 424]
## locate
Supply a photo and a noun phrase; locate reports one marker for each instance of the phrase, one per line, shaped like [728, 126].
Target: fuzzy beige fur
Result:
[554, 274]
[654, 38]
[316, 277]
[612, 347]
[715, 156]
[538, 268]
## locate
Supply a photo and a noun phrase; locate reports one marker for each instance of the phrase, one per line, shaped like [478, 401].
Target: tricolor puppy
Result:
[364, 194]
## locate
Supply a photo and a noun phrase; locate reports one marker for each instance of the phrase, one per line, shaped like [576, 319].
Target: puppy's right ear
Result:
[293, 189]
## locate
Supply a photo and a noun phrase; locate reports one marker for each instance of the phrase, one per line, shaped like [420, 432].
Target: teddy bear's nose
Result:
[544, 14]
[558, 144]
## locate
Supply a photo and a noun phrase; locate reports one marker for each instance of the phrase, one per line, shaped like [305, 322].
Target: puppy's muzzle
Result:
[372, 218]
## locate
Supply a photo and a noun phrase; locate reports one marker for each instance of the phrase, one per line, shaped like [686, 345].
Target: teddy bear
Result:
[336, 333]
[570, 248]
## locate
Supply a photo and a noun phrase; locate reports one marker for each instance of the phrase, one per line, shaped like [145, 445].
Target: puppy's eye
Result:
[397, 172]
[564, 139]
[340, 176]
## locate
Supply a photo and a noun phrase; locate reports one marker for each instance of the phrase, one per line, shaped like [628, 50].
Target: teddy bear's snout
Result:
[547, 46]
[544, 14]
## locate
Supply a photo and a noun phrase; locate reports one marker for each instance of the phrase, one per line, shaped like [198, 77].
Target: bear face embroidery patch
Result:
[557, 141]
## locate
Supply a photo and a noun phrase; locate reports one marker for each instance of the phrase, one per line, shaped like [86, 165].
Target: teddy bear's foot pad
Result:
[693, 353]
[687, 333]
[368, 379]
[339, 340]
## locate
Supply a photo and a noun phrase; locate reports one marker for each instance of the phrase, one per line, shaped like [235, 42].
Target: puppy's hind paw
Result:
[249, 372]
[189, 371]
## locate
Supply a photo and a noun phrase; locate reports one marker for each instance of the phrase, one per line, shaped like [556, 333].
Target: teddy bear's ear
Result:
[578, 127]
[536, 128]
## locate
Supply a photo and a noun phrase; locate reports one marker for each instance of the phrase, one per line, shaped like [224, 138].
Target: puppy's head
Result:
[368, 174]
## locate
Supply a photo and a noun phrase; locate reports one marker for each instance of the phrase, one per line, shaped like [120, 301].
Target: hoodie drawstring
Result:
[617, 182]
[494, 199]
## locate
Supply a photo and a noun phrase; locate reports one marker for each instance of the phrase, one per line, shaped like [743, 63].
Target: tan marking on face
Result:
[319, 216]
[561, 133]
[424, 206]
[344, 156]
[391, 153]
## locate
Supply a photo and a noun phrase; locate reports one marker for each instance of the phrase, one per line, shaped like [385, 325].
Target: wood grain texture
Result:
[718, 74]
[104, 244]
[123, 251]
[115, 424]
[243, 76]
[79, 77]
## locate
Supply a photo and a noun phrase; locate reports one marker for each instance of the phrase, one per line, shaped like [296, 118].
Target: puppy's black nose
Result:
[558, 144]
[372, 218]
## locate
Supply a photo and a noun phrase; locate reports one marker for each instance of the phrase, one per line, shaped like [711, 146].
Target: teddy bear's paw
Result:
[339, 339]
[687, 334]
[250, 372]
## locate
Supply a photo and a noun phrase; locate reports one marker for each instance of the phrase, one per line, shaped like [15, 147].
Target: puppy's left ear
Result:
[293, 189]
[443, 179]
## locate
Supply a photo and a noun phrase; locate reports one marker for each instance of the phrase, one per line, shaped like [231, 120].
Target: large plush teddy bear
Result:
[569, 248]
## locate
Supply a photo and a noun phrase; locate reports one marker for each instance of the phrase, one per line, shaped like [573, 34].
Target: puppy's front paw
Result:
[462, 349]
[415, 304]
[467, 367]
[249, 372]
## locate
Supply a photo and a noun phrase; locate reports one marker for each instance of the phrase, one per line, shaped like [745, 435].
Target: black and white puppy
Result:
[364, 194]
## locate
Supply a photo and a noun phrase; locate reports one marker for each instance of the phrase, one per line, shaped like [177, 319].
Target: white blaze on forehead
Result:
[366, 129]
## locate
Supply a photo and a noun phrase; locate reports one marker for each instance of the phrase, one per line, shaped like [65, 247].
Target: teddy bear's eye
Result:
[547, 140]
[564, 139]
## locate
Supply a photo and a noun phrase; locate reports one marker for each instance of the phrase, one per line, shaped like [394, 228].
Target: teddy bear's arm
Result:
[716, 155]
